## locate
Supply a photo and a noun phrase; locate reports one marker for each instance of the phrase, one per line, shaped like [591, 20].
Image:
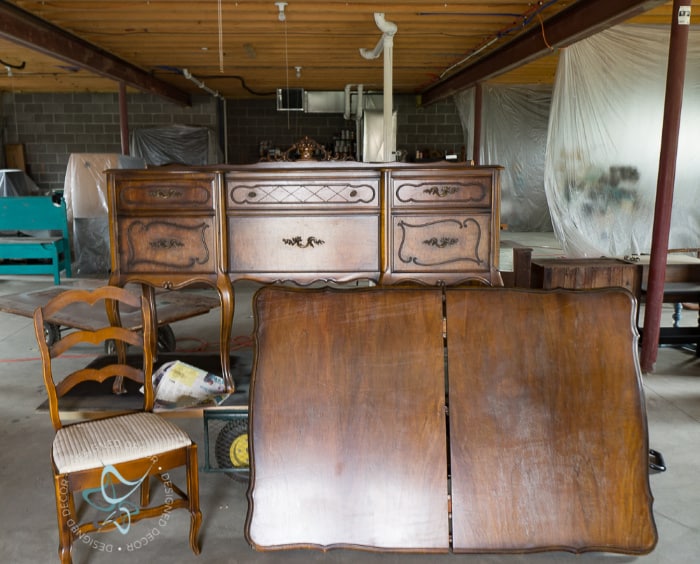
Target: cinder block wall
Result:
[52, 126]
[436, 127]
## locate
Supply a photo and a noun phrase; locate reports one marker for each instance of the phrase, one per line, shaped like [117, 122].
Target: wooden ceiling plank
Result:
[580, 20]
[26, 29]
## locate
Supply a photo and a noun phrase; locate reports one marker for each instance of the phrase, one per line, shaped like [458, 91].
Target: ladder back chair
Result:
[102, 458]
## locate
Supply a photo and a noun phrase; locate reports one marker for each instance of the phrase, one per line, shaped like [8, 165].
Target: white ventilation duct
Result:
[386, 45]
[348, 115]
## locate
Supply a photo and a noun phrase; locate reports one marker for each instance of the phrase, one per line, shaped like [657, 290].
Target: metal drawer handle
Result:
[165, 244]
[441, 242]
[166, 194]
[298, 241]
[441, 191]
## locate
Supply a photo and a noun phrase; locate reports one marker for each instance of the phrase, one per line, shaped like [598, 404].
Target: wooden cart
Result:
[171, 307]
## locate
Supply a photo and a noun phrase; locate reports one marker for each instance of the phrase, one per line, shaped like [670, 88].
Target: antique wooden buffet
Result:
[536, 409]
[303, 222]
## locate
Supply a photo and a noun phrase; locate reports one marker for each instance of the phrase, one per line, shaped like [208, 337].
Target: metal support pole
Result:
[664, 189]
[478, 102]
[123, 119]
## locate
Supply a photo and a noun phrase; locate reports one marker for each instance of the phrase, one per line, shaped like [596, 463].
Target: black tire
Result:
[166, 341]
[234, 433]
[52, 333]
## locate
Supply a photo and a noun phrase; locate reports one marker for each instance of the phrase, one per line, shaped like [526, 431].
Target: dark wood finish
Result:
[585, 273]
[167, 230]
[522, 261]
[547, 439]
[348, 421]
[172, 307]
[303, 222]
[547, 423]
[97, 442]
[443, 225]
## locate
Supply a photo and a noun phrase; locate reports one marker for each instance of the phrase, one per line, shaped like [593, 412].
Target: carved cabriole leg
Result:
[225, 289]
[65, 511]
[193, 497]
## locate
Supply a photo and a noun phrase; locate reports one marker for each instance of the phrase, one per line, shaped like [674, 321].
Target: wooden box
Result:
[585, 273]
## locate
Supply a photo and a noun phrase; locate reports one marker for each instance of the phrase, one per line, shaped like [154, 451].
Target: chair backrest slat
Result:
[59, 381]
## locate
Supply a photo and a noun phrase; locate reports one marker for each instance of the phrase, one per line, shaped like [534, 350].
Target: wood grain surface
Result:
[348, 420]
[544, 446]
[547, 424]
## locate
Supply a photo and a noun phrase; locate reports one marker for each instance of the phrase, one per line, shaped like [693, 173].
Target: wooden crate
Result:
[585, 273]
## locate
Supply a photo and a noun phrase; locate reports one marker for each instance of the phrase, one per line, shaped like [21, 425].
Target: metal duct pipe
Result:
[385, 44]
[348, 102]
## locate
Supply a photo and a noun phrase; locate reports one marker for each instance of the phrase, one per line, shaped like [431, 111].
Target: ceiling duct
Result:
[386, 45]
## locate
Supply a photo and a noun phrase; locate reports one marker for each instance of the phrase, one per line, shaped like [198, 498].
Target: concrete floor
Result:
[28, 524]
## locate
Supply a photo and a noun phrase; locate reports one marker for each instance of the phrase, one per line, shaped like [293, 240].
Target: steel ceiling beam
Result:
[25, 29]
[581, 20]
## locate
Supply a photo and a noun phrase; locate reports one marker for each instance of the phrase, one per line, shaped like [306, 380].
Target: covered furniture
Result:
[100, 458]
[436, 420]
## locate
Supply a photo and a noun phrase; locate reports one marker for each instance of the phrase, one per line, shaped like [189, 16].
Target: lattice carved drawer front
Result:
[308, 192]
[160, 244]
[190, 192]
[457, 243]
[304, 243]
[454, 191]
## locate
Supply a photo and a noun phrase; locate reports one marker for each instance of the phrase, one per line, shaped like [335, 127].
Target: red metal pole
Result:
[476, 154]
[123, 119]
[664, 188]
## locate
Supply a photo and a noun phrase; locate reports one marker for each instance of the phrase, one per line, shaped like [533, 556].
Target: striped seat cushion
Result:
[94, 444]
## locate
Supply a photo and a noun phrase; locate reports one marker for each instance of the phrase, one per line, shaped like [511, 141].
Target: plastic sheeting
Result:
[604, 142]
[85, 186]
[15, 182]
[85, 192]
[175, 144]
[514, 135]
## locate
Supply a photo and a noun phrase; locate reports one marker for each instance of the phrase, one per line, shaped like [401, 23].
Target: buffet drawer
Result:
[442, 190]
[159, 244]
[304, 244]
[306, 191]
[181, 192]
[423, 243]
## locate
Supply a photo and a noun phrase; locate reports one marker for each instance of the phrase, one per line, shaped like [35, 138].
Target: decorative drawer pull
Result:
[166, 194]
[441, 191]
[165, 244]
[298, 241]
[441, 242]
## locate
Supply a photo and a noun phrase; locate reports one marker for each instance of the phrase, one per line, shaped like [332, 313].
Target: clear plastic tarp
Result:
[85, 192]
[604, 141]
[514, 135]
[175, 144]
[15, 182]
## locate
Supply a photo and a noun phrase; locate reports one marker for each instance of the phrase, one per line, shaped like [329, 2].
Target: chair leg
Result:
[146, 492]
[193, 497]
[65, 513]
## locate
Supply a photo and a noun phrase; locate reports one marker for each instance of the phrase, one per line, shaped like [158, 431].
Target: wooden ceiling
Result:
[242, 49]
